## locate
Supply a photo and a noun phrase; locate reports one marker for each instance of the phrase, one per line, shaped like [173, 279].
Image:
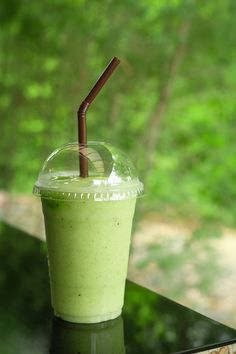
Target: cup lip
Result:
[111, 195]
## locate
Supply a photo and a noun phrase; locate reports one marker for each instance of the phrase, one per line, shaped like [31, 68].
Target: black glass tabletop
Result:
[150, 323]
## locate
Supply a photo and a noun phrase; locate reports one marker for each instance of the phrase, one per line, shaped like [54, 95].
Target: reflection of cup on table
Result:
[103, 338]
[88, 227]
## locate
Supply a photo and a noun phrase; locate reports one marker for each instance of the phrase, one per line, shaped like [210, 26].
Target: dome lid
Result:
[111, 175]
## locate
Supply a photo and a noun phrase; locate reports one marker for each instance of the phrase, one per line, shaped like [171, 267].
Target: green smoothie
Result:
[88, 249]
[88, 225]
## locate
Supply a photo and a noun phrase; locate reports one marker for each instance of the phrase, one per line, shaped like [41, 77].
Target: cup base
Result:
[88, 319]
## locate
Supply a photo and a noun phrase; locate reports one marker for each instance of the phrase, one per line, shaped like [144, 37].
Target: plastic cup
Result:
[101, 338]
[88, 225]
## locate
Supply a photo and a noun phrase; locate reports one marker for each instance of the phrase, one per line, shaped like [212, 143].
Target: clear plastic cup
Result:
[88, 225]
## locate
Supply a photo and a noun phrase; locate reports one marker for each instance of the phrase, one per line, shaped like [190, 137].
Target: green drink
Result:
[88, 225]
[88, 245]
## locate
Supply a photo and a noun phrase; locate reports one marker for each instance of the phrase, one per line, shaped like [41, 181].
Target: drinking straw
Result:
[81, 114]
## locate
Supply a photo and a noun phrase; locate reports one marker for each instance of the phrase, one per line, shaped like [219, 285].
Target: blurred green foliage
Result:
[171, 104]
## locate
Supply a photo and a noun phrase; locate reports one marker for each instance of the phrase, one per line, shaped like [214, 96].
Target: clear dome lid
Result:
[111, 175]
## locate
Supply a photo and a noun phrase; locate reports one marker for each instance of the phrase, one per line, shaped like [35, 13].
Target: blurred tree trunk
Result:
[166, 89]
[115, 109]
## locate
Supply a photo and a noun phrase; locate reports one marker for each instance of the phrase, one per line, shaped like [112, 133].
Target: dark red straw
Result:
[82, 130]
